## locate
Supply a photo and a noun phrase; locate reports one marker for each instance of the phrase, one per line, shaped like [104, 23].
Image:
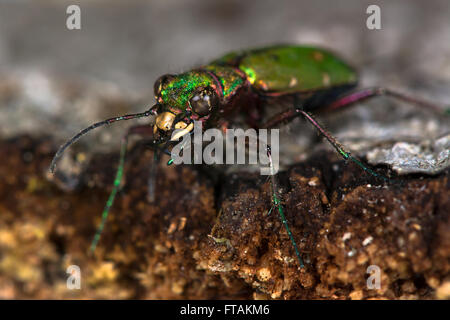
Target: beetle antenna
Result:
[61, 149]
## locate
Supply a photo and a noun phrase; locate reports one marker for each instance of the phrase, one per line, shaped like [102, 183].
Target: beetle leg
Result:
[368, 93]
[355, 97]
[339, 148]
[136, 130]
[278, 205]
[282, 117]
[254, 113]
[287, 116]
[292, 113]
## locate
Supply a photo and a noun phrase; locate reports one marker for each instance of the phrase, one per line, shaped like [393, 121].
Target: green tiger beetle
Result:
[241, 83]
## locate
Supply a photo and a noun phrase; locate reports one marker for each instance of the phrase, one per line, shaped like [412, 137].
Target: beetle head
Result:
[182, 99]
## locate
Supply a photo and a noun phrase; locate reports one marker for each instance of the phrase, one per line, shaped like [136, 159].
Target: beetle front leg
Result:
[142, 130]
[279, 206]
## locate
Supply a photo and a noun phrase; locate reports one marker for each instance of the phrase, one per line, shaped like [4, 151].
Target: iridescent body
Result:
[308, 72]
[241, 83]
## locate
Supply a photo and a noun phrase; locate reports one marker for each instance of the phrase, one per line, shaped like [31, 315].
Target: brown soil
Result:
[181, 247]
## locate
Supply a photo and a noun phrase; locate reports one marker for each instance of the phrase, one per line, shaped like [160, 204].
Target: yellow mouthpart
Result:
[164, 120]
[178, 134]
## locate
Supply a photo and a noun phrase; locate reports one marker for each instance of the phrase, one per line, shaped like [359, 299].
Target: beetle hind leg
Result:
[369, 93]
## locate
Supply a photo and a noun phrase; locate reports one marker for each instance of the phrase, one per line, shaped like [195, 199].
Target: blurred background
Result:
[55, 81]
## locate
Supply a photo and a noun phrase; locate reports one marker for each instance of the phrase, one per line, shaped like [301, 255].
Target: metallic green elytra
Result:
[273, 70]
[240, 85]
[289, 69]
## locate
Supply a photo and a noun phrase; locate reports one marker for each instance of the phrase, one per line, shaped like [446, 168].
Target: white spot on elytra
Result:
[326, 79]
[293, 82]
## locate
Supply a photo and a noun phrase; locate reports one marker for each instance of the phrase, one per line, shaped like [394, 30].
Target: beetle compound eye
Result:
[160, 83]
[204, 101]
